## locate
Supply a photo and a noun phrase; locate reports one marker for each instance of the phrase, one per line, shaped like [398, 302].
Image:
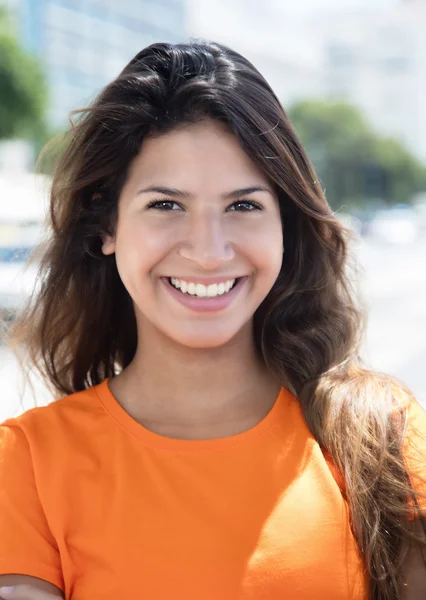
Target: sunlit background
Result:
[350, 73]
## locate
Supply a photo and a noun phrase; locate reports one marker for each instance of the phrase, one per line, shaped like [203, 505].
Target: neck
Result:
[170, 386]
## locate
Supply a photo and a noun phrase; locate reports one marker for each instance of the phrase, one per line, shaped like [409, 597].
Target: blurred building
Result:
[377, 61]
[84, 44]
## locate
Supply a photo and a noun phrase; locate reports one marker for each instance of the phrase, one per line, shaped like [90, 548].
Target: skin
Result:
[28, 588]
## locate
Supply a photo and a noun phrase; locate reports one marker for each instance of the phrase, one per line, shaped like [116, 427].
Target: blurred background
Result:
[350, 73]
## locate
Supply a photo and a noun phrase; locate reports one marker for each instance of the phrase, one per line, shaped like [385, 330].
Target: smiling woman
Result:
[217, 435]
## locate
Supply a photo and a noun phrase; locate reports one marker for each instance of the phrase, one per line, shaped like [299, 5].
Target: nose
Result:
[206, 242]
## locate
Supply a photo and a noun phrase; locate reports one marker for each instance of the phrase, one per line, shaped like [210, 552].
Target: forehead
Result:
[200, 155]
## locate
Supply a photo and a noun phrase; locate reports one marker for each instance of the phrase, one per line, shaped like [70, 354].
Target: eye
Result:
[244, 206]
[164, 205]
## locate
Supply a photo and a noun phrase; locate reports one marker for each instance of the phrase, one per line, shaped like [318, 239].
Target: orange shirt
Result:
[103, 508]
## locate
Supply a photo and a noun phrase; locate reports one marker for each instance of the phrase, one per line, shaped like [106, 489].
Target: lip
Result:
[206, 304]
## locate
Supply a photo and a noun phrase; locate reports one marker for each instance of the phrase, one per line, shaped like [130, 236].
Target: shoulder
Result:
[47, 447]
[73, 415]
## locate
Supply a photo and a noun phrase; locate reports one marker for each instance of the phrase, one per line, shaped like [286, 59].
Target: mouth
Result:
[211, 298]
[199, 290]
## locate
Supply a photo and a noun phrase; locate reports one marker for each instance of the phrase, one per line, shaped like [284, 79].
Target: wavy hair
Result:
[79, 327]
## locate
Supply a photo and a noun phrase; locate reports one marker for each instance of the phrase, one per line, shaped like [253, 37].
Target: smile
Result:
[199, 290]
[210, 298]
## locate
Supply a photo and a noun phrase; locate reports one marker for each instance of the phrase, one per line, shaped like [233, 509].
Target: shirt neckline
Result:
[278, 414]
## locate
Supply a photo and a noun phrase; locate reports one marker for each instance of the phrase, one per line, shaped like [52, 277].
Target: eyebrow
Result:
[159, 189]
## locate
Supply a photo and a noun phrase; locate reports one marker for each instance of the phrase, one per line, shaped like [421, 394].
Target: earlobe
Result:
[108, 245]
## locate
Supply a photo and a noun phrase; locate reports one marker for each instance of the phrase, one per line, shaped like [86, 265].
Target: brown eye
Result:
[164, 205]
[244, 206]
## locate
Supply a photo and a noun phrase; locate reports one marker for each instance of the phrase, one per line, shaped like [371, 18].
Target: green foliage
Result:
[354, 163]
[23, 91]
[51, 150]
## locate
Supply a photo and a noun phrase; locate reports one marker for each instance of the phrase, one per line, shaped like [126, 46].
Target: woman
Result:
[218, 435]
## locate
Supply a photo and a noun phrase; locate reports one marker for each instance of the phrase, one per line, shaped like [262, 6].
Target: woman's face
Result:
[199, 239]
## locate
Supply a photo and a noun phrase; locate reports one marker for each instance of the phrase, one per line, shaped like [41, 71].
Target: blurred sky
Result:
[304, 6]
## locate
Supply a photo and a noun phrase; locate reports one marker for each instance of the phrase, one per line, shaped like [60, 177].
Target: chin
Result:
[204, 341]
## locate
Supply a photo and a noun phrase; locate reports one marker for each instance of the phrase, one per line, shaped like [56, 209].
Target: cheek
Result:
[266, 246]
[139, 246]
[269, 257]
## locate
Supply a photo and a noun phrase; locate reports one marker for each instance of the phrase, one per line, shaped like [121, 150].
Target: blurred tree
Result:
[23, 90]
[355, 165]
[51, 150]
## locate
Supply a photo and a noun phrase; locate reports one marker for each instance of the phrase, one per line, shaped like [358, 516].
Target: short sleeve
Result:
[27, 546]
[414, 450]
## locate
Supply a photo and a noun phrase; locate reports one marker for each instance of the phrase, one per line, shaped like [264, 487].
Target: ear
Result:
[108, 244]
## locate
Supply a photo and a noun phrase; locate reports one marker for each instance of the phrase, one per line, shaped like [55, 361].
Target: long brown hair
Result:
[79, 326]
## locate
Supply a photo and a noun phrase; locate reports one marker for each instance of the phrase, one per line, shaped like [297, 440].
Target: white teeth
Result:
[200, 290]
